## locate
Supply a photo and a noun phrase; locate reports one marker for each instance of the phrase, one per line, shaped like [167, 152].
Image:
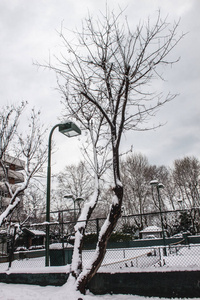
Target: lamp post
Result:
[69, 129]
[180, 203]
[78, 199]
[158, 187]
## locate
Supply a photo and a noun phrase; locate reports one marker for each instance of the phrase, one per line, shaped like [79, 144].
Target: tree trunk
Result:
[105, 233]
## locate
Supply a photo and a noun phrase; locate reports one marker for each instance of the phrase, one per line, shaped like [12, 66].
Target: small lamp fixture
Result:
[69, 196]
[160, 186]
[155, 183]
[69, 129]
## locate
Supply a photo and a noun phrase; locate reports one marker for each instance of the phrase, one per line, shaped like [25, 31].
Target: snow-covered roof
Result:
[35, 232]
[2, 232]
[152, 229]
[56, 246]
[18, 163]
[38, 232]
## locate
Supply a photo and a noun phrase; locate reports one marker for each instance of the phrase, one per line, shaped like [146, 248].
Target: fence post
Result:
[63, 243]
[124, 253]
[11, 254]
[160, 257]
[97, 227]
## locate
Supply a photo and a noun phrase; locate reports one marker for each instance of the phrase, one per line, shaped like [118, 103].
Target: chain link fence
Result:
[174, 245]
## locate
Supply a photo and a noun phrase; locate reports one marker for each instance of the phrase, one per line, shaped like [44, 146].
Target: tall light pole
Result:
[158, 187]
[69, 129]
[78, 199]
[180, 203]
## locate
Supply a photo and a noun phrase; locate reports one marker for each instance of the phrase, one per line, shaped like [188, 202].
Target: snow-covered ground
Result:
[134, 259]
[66, 292]
[116, 260]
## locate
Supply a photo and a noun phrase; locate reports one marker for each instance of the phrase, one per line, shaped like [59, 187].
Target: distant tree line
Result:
[181, 185]
[180, 194]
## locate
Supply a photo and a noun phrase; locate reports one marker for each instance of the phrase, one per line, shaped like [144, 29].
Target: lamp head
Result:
[79, 199]
[69, 129]
[160, 186]
[154, 182]
[69, 196]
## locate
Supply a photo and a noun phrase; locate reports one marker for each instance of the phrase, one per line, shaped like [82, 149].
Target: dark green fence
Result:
[180, 241]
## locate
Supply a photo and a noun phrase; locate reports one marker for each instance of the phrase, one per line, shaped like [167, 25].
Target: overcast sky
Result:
[28, 32]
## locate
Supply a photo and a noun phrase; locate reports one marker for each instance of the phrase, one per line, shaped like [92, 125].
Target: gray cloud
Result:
[28, 33]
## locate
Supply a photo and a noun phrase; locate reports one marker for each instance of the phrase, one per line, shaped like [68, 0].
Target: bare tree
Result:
[139, 198]
[75, 180]
[164, 175]
[33, 201]
[107, 71]
[28, 147]
[9, 119]
[186, 175]
[136, 175]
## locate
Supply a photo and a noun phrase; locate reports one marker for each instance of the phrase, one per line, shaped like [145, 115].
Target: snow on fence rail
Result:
[146, 259]
[127, 257]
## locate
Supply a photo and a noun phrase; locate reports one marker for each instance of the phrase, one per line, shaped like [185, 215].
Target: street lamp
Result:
[78, 199]
[158, 187]
[69, 129]
[180, 203]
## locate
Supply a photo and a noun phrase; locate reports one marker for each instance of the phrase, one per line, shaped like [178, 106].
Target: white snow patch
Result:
[104, 228]
[56, 246]
[37, 232]
[119, 183]
[115, 200]
[9, 209]
[152, 229]
[65, 292]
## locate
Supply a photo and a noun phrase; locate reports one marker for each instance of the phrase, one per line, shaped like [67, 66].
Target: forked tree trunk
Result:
[115, 212]
[79, 236]
[105, 233]
[80, 227]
